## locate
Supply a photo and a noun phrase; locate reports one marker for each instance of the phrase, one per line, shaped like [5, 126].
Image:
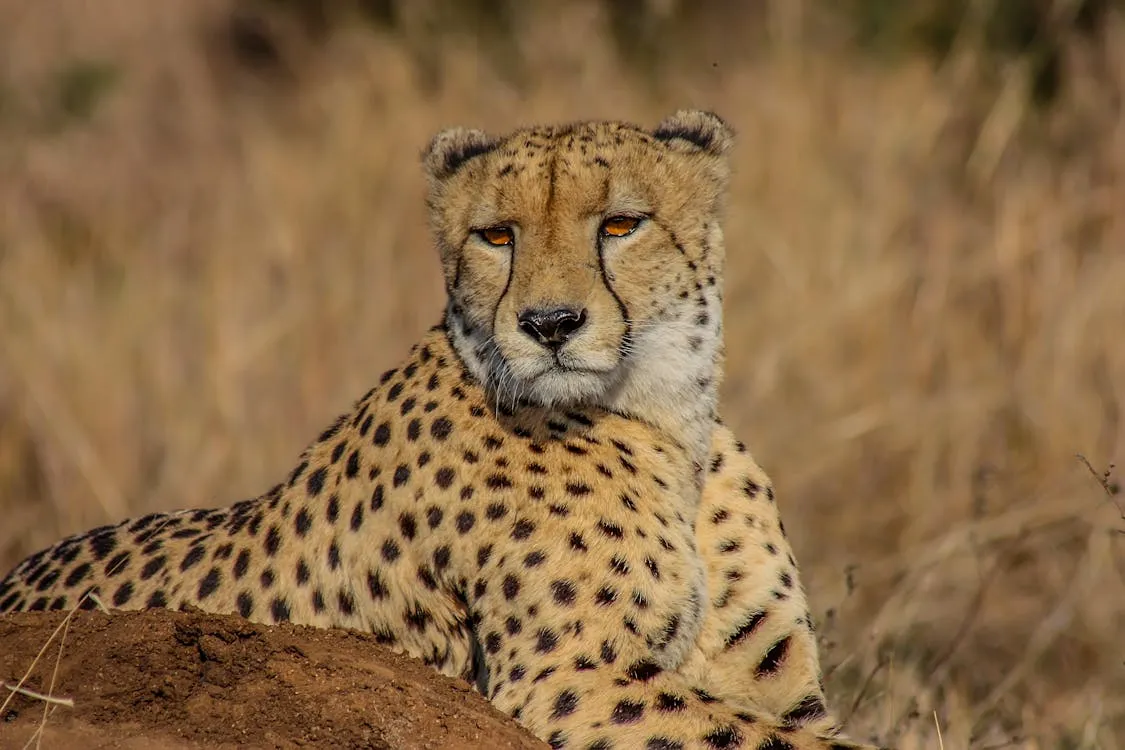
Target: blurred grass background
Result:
[212, 239]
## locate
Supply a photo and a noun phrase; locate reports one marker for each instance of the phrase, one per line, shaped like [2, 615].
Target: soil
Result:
[189, 680]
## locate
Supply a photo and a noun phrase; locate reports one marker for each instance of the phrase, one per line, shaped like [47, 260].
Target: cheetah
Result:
[540, 499]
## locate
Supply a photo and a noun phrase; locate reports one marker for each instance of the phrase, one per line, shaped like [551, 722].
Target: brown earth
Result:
[181, 681]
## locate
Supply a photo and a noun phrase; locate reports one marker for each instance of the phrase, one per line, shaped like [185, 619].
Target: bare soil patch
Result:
[175, 680]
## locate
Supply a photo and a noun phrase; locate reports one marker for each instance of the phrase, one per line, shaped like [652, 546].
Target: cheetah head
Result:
[583, 262]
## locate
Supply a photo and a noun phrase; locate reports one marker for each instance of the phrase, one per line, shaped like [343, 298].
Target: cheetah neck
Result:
[674, 388]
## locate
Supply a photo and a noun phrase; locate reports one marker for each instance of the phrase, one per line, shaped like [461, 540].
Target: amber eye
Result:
[498, 236]
[619, 226]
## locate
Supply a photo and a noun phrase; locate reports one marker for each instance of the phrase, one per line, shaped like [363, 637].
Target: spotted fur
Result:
[553, 513]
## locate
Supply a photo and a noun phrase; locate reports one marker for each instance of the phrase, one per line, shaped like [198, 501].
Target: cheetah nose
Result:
[551, 328]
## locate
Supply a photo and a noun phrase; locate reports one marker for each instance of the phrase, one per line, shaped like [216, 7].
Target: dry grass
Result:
[926, 309]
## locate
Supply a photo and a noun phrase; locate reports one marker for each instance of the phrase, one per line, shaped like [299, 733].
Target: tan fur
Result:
[530, 518]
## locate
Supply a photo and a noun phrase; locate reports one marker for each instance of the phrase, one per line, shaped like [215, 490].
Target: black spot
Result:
[297, 472]
[669, 702]
[643, 670]
[123, 594]
[722, 738]
[375, 585]
[522, 529]
[578, 489]
[101, 545]
[426, 577]
[332, 512]
[82, 571]
[444, 477]
[345, 602]
[245, 604]
[584, 664]
[811, 707]
[483, 555]
[241, 563]
[495, 511]
[441, 428]
[493, 642]
[434, 516]
[465, 522]
[333, 555]
[279, 610]
[534, 559]
[746, 628]
[407, 525]
[557, 740]
[663, 743]
[563, 592]
[193, 556]
[619, 566]
[771, 662]
[627, 712]
[610, 530]
[511, 587]
[266, 578]
[273, 541]
[442, 557]
[303, 572]
[773, 742]
[577, 542]
[605, 596]
[498, 482]
[382, 434]
[417, 618]
[352, 467]
[390, 550]
[513, 626]
[565, 704]
[704, 696]
[546, 640]
[727, 546]
[316, 481]
[357, 516]
[402, 475]
[209, 584]
[377, 497]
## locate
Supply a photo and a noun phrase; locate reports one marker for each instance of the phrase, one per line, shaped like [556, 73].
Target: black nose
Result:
[551, 327]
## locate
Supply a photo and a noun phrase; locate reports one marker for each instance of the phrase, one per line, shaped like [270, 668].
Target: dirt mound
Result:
[172, 680]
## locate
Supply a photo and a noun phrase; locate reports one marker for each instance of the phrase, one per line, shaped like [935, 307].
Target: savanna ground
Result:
[212, 239]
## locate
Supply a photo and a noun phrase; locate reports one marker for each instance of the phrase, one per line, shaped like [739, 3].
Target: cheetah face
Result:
[583, 262]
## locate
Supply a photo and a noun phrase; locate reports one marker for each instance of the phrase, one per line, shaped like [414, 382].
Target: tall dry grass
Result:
[926, 303]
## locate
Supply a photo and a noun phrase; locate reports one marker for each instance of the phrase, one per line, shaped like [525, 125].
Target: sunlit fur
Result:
[651, 344]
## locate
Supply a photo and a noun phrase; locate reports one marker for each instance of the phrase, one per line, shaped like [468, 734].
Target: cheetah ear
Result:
[452, 147]
[704, 130]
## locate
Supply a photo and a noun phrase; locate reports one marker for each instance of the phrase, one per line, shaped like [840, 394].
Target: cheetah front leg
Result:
[635, 705]
[757, 641]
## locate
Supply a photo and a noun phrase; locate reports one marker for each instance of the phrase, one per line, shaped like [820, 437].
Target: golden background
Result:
[213, 239]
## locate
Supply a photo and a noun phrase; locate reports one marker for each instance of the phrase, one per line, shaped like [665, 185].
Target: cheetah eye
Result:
[497, 236]
[619, 226]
